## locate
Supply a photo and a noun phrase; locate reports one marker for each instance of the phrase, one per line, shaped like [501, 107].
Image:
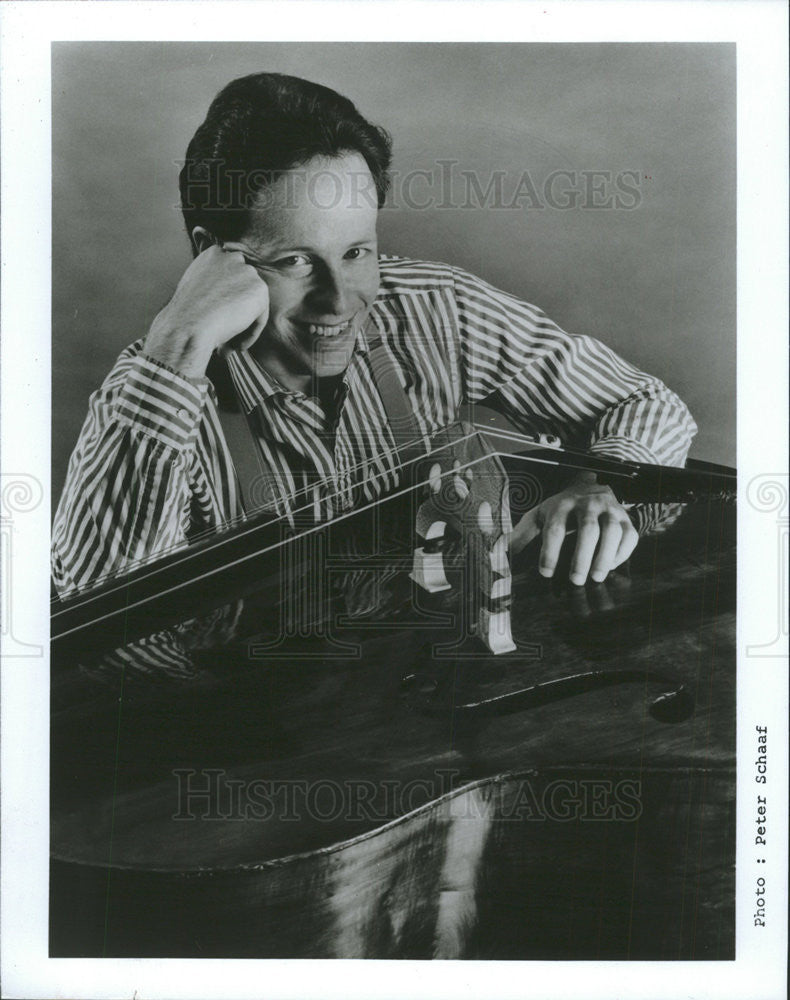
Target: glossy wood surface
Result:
[403, 837]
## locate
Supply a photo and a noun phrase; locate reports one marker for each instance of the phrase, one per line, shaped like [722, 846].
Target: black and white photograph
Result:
[397, 520]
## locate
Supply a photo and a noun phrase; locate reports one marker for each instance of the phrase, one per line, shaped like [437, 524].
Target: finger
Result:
[554, 531]
[525, 531]
[211, 250]
[611, 535]
[237, 251]
[586, 543]
[627, 543]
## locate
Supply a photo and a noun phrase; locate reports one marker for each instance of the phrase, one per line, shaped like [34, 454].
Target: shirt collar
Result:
[255, 385]
[252, 382]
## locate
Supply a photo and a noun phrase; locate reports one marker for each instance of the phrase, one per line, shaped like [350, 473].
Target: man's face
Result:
[312, 235]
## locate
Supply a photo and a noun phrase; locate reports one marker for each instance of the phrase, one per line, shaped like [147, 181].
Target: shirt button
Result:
[182, 412]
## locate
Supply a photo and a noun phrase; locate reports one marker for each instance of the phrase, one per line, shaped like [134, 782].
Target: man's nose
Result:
[332, 291]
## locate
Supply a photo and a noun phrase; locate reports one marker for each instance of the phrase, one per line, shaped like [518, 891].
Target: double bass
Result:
[380, 737]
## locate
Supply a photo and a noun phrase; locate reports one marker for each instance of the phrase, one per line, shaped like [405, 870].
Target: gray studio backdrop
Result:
[597, 181]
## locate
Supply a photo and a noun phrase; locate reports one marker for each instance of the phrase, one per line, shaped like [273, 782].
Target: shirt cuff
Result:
[162, 402]
[623, 449]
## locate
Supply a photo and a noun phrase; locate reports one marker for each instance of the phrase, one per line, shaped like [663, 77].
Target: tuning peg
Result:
[428, 562]
[498, 557]
[485, 518]
[494, 625]
[507, 520]
[494, 583]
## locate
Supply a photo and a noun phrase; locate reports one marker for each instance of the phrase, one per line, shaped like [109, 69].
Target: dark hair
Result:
[260, 126]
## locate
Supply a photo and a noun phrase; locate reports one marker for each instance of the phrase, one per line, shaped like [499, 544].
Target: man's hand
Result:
[605, 535]
[219, 301]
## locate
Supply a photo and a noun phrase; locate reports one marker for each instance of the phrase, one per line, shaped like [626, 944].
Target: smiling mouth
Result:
[326, 331]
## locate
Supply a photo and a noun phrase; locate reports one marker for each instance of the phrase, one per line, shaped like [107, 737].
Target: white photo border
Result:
[758, 27]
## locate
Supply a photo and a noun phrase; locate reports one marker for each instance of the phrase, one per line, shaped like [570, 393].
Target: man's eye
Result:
[356, 252]
[294, 261]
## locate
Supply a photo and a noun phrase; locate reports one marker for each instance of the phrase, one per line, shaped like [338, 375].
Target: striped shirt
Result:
[152, 471]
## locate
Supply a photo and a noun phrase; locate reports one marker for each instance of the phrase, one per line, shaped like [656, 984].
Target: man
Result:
[280, 193]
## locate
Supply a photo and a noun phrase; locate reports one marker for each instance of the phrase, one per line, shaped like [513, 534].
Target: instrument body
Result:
[326, 761]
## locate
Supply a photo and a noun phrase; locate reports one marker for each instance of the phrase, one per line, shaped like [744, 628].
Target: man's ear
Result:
[202, 238]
